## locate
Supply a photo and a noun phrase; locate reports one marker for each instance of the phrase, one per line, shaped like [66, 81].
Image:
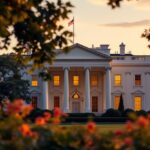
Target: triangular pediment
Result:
[138, 92]
[80, 52]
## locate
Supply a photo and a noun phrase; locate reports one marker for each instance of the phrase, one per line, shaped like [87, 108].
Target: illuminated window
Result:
[118, 80]
[137, 80]
[56, 101]
[116, 102]
[34, 80]
[94, 104]
[76, 96]
[56, 80]
[75, 80]
[137, 103]
[94, 80]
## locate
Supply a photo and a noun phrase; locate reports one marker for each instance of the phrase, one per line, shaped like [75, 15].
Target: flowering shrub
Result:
[19, 133]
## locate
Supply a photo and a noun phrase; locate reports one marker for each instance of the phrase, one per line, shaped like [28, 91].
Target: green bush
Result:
[127, 112]
[36, 113]
[81, 115]
[141, 113]
[111, 113]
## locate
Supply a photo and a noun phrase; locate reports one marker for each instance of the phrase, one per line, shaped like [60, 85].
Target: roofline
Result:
[87, 49]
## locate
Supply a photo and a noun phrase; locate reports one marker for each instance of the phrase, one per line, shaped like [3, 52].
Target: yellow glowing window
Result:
[94, 80]
[137, 80]
[118, 80]
[34, 81]
[76, 96]
[75, 80]
[56, 80]
[137, 103]
[116, 102]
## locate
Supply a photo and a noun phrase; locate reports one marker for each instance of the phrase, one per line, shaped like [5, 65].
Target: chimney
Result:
[104, 48]
[122, 49]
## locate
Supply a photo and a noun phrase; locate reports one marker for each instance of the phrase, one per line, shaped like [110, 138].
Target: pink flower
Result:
[40, 121]
[25, 130]
[57, 112]
[143, 122]
[129, 126]
[15, 107]
[91, 126]
[128, 141]
[118, 132]
[47, 116]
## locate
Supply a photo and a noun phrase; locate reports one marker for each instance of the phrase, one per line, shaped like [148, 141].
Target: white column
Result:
[104, 92]
[108, 88]
[66, 90]
[87, 91]
[45, 95]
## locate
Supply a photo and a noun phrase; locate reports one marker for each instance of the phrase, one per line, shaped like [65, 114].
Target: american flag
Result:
[71, 22]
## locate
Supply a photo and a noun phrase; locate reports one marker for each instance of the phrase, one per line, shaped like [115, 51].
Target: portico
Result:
[84, 96]
[79, 98]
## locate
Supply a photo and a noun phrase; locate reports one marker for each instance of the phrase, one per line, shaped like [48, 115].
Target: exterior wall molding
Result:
[147, 73]
[127, 73]
[138, 92]
[117, 92]
[35, 91]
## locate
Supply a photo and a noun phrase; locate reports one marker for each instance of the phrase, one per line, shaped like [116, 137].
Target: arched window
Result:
[75, 96]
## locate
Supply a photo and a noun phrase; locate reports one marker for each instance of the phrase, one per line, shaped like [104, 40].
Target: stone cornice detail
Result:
[147, 73]
[127, 73]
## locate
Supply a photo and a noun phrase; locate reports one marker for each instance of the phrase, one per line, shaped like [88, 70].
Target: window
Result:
[118, 80]
[137, 80]
[75, 80]
[76, 96]
[94, 80]
[116, 102]
[56, 80]
[34, 101]
[94, 104]
[137, 103]
[34, 80]
[56, 101]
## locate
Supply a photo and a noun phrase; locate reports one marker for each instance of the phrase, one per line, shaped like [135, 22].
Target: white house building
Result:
[92, 80]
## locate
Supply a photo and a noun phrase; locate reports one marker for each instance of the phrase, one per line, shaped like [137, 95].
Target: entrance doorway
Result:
[76, 107]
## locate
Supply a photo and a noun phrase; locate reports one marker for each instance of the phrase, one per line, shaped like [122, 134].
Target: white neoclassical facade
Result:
[92, 80]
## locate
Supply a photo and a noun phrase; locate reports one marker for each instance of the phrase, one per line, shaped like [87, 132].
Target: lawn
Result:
[102, 127]
[110, 127]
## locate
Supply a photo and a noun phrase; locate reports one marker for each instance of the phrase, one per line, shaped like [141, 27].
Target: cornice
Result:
[131, 65]
[82, 60]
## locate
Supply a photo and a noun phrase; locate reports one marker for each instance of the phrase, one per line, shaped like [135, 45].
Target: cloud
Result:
[128, 24]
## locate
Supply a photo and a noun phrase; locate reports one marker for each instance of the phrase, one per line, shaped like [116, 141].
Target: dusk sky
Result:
[96, 23]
